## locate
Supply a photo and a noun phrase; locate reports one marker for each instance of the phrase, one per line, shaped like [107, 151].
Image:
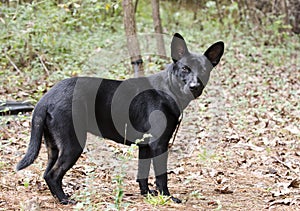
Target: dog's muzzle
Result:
[196, 88]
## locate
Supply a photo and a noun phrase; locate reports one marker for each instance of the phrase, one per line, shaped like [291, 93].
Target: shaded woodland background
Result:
[35, 32]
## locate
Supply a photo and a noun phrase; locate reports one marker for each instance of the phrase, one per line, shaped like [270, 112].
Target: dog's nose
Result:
[194, 85]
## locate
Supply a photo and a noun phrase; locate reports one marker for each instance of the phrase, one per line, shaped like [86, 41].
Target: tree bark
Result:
[295, 11]
[132, 40]
[158, 28]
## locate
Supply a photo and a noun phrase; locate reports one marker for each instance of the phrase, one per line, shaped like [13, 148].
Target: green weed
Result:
[207, 156]
[127, 155]
[157, 200]
[26, 182]
[196, 194]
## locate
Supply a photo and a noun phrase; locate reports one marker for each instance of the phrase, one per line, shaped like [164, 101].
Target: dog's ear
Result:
[215, 52]
[178, 47]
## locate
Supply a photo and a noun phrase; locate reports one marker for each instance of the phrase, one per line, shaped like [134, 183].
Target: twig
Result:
[44, 66]
[135, 6]
[13, 64]
[281, 162]
[284, 164]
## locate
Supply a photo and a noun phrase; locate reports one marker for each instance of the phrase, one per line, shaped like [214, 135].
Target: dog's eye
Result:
[185, 69]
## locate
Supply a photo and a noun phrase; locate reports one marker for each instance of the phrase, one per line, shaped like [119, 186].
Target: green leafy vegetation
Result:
[44, 42]
[206, 156]
[125, 156]
[157, 200]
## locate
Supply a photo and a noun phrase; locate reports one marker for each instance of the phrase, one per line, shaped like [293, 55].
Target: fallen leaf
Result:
[272, 171]
[294, 184]
[224, 190]
[234, 138]
[286, 201]
[293, 129]
[249, 146]
[179, 170]
[221, 180]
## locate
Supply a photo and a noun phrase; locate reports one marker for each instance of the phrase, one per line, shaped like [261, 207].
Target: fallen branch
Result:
[13, 64]
[44, 66]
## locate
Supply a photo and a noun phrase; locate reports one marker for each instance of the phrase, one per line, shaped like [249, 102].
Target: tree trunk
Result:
[132, 40]
[295, 11]
[158, 29]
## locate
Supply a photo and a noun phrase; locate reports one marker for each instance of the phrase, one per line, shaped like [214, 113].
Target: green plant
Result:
[126, 155]
[268, 150]
[207, 156]
[86, 197]
[2, 164]
[26, 182]
[196, 194]
[157, 200]
[42, 42]
[269, 189]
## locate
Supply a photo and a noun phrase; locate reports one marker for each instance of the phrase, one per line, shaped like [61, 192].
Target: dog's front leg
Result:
[143, 170]
[160, 160]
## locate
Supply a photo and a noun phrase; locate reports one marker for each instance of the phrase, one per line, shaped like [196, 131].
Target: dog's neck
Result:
[167, 82]
[177, 89]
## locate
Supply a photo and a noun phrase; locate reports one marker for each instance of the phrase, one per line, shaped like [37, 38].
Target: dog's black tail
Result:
[37, 128]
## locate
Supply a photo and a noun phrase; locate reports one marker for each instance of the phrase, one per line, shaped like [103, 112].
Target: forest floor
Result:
[238, 148]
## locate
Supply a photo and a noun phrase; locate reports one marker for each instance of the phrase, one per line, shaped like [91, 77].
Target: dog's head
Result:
[193, 70]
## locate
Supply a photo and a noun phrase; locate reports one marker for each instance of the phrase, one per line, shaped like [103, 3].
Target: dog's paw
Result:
[176, 200]
[151, 192]
[68, 201]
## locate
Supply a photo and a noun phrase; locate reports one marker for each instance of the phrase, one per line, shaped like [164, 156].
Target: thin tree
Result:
[158, 28]
[132, 40]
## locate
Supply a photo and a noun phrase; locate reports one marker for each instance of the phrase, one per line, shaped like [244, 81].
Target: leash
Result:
[176, 130]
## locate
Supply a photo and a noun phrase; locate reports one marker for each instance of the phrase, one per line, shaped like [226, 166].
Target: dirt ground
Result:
[237, 149]
[231, 174]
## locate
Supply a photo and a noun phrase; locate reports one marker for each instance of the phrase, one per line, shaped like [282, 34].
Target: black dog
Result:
[122, 111]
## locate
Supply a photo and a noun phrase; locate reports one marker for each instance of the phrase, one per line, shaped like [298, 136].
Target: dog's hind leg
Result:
[66, 159]
[52, 151]
[69, 150]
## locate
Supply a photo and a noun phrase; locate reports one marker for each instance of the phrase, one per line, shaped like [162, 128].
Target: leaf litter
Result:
[238, 147]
